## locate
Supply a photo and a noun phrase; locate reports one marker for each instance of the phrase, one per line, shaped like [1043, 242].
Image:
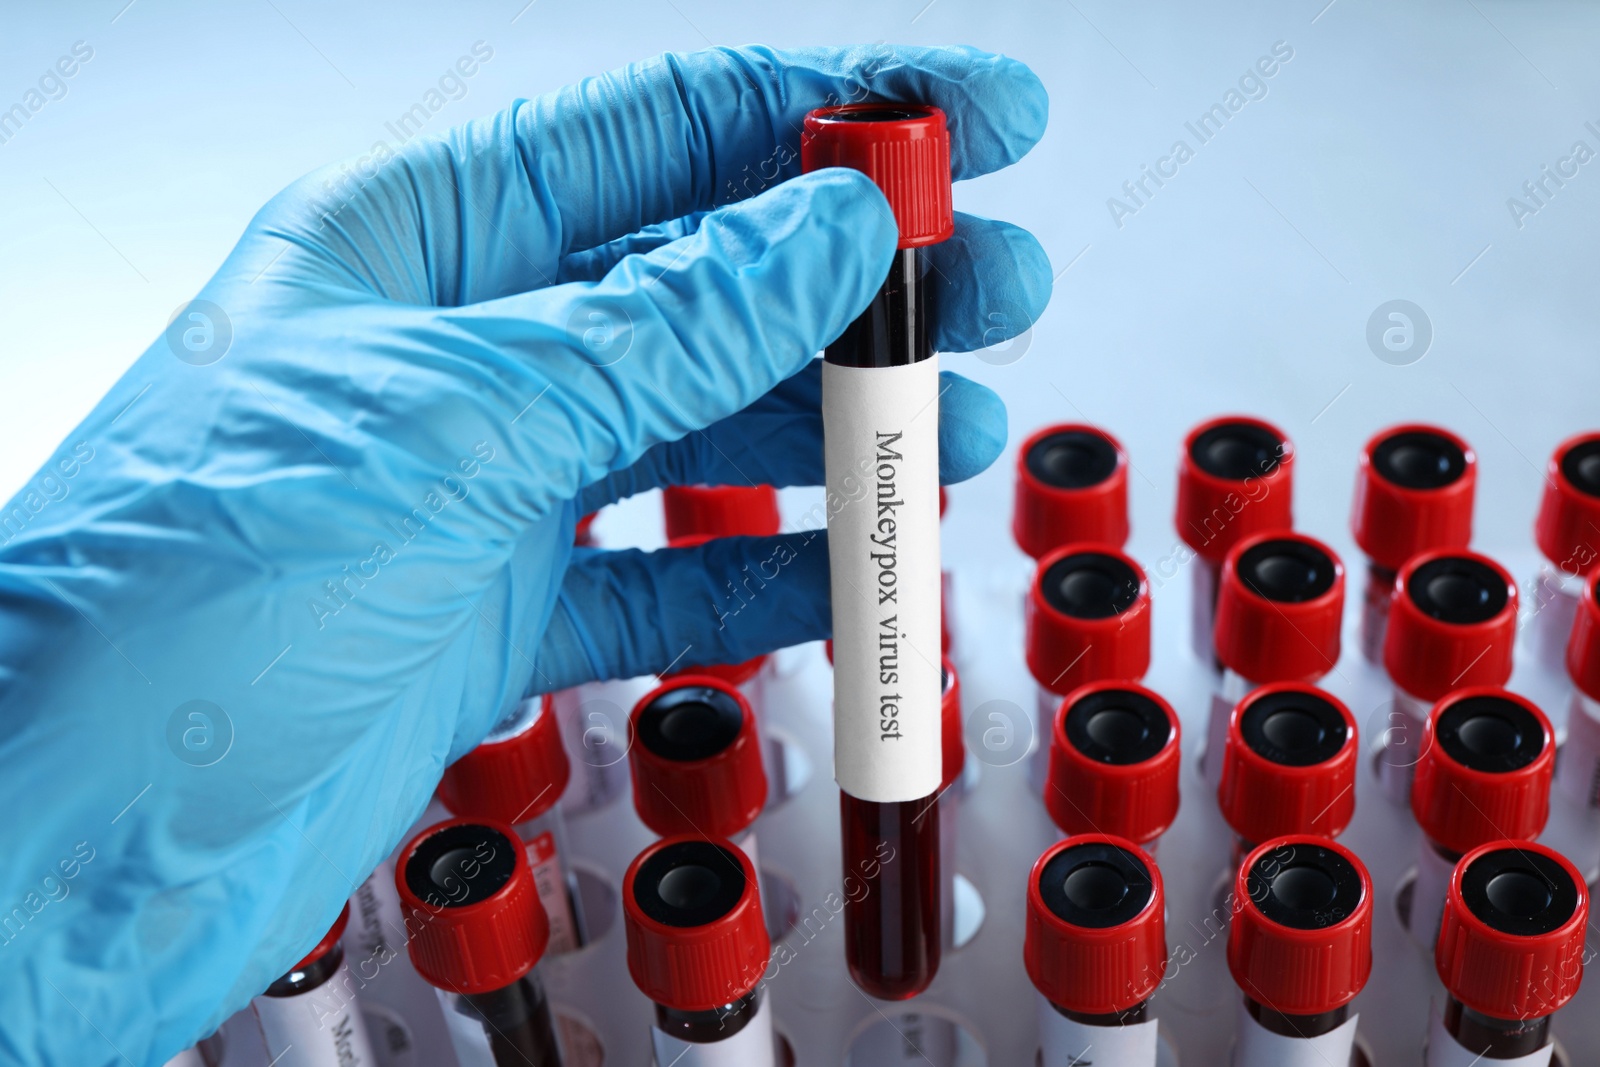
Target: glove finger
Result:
[592, 264]
[682, 132]
[630, 613]
[778, 441]
[591, 375]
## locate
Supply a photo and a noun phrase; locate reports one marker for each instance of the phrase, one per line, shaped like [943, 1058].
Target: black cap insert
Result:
[1520, 893]
[1090, 585]
[688, 884]
[1117, 726]
[691, 722]
[1096, 885]
[1236, 451]
[1072, 459]
[1489, 734]
[1581, 467]
[1286, 571]
[460, 865]
[1457, 590]
[1418, 459]
[1293, 729]
[1304, 886]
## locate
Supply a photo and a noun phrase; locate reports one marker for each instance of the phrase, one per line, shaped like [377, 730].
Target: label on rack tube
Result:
[324, 1026]
[551, 881]
[1256, 1046]
[1444, 1051]
[750, 1047]
[881, 446]
[1427, 895]
[1064, 1043]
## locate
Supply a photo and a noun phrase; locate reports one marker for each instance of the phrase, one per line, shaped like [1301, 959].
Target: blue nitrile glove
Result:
[318, 539]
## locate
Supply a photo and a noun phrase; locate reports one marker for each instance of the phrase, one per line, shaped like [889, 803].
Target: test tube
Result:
[1510, 955]
[1114, 763]
[309, 1017]
[1414, 491]
[1578, 773]
[698, 949]
[696, 762]
[1452, 623]
[1071, 487]
[880, 388]
[1095, 947]
[1299, 949]
[1087, 619]
[1484, 776]
[1289, 767]
[478, 933]
[1280, 608]
[1235, 478]
[517, 776]
[1568, 534]
[719, 511]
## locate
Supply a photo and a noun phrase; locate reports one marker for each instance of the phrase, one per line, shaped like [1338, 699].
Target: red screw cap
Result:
[1114, 762]
[584, 532]
[326, 945]
[471, 906]
[1414, 490]
[691, 910]
[517, 773]
[954, 747]
[1279, 608]
[1290, 764]
[1484, 775]
[720, 511]
[1452, 623]
[1511, 943]
[1568, 528]
[696, 759]
[1583, 647]
[903, 148]
[1235, 479]
[1301, 939]
[1096, 939]
[1087, 618]
[1072, 486]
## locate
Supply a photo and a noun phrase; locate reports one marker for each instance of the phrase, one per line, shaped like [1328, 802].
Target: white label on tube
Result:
[323, 1026]
[1428, 893]
[551, 881]
[1064, 1043]
[881, 446]
[1578, 769]
[1257, 1046]
[750, 1047]
[1444, 1051]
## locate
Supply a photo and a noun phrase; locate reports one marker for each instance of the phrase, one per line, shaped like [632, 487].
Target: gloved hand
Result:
[319, 538]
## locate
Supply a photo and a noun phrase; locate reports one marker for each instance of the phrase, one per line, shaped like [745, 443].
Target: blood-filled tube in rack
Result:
[1566, 532]
[1510, 955]
[478, 933]
[1087, 619]
[1095, 947]
[1484, 776]
[1071, 488]
[696, 762]
[1452, 624]
[310, 1017]
[698, 949]
[1235, 479]
[1299, 949]
[517, 776]
[1578, 775]
[1280, 608]
[1414, 492]
[1114, 763]
[880, 389]
[1289, 766]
